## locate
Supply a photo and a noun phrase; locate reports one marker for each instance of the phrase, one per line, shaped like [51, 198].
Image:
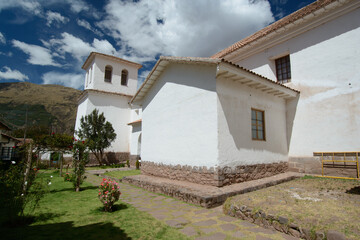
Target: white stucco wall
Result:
[96, 78]
[135, 137]
[116, 111]
[236, 146]
[180, 117]
[325, 64]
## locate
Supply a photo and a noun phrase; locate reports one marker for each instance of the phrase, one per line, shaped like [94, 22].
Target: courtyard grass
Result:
[121, 174]
[65, 214]
[317, 204]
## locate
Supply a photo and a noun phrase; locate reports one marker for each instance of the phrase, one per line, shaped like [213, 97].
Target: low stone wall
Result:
[110, 157]
[312, 165]
[213, 176]
[280, 223]
[133, 159]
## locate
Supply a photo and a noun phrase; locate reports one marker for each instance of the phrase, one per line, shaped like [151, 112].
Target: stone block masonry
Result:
[111, 157]
[214, 176]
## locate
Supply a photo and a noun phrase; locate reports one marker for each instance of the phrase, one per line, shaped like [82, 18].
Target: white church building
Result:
[262, 106]
[110, 83]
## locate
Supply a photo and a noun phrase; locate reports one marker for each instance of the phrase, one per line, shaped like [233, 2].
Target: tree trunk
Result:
[61, 162]
[28, 166]
[98, 158]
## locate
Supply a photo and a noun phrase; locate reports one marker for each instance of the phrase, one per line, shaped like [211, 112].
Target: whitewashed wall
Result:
[116, 110]
[236, 146]
[180, 117]
[96, 78]
[325, 64]
[135, 137]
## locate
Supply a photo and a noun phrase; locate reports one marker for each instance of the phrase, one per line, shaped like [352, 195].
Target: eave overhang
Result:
[250, 79]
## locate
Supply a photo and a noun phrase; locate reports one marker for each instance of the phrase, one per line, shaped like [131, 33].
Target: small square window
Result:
[257, 124]
[283, 72]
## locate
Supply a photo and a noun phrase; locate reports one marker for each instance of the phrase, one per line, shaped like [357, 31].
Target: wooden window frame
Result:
[257, 125]
[108, 71]
[283, 69]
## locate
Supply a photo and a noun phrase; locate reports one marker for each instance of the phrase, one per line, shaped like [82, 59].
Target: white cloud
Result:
[182, 28]
[85, 24]
[54, 17]
[66, 79]
[27, 5]
[78, 48]
[38, 55]
[12, 74]
[2, 39]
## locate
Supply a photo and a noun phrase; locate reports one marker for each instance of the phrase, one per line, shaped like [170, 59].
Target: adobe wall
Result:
[111, 157]
[219, 176]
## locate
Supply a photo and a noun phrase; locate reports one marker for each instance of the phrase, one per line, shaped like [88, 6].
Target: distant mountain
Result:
[53, 106]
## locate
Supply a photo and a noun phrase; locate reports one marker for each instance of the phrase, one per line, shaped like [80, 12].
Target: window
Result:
[124, 77]
[283, 73]
[258, 124]
[108, 74]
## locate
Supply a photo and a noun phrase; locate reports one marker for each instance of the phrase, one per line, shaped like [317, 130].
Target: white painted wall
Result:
[96, 76]
[135, 137]
[236, 146]
[325, 64]
[180, 117]
[116, 111]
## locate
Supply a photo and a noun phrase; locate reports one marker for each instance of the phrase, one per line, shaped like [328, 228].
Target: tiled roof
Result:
[137, 121]
[102, 92]
[93, 54]
[275, 26]
[149, 81]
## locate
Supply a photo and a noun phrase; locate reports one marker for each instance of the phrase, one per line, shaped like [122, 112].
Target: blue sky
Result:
[47, 41]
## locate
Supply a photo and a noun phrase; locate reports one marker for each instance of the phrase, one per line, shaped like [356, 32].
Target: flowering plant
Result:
[109, 193]
[67, 177]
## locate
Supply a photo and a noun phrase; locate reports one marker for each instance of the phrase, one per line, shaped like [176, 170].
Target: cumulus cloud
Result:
[182, 28]
[54, 17]
[8, 73]
[37, 55]
[78, 48]
[2, 39]
[66, 79]
[87, 25]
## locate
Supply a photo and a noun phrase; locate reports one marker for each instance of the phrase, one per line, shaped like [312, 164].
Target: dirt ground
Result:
[319, 204]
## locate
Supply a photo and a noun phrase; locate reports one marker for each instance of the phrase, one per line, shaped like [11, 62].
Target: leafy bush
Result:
[17, 193]
[109, 193]
[137, 164]
[80, 159]
[68, 177]
[128, 163]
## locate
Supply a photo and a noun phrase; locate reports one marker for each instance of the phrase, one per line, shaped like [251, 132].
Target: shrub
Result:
[127, 163]
[137, 164]
[109, 193]
[80, 159]
[67, 177]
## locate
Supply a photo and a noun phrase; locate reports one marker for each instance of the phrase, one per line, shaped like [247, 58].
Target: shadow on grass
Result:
[65, 230]
[73, 190]
[27, 220]
[116, 207]
[354, 190]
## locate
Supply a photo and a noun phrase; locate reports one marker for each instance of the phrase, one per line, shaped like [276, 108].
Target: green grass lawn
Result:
[65, 214]
[121, 174]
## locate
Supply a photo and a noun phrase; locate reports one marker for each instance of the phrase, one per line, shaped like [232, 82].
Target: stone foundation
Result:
[133, 159]
[213, 176]
[110, 157]
[312, 165]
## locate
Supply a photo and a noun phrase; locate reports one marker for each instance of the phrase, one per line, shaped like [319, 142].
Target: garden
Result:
[309, 205]
[63, 213]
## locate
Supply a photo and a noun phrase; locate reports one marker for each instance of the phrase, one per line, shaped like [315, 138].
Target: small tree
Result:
[80, 159]
[98, 133]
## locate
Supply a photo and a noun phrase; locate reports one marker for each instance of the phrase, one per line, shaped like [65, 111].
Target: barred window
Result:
[283, 72]
[258, 124]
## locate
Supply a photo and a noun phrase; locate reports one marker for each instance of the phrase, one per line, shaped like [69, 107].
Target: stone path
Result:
[195, 222]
